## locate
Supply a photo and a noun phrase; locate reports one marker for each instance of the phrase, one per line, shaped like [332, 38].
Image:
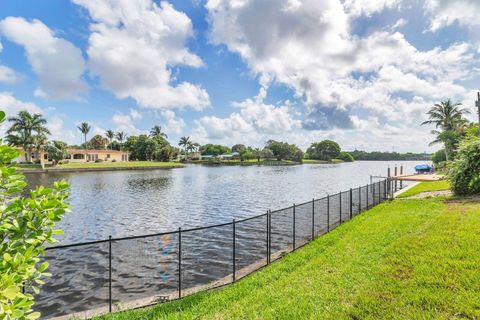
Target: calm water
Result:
[125, 203]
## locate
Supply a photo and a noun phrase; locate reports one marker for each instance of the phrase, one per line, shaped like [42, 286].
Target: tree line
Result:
[460, 156]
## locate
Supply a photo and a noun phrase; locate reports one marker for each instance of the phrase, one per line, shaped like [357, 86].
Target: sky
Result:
[360, 72]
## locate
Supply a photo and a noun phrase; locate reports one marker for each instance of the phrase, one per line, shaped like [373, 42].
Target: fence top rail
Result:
[78, 244]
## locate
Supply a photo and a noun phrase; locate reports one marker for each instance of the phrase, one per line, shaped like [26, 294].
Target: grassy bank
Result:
[424, 187]
[90, 165]
[404, 259]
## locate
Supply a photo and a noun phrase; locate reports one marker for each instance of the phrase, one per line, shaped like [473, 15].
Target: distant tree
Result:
[325, 150]
[214, 149]
[84, 128]
[345, 156]
[110, 136]
[298, 156]
[267, 153]
[185, 142]
[257, 154]
[439, 156]
[157, 132]
[239, 148]
[282, 150]
[146, 148]
[57, 151]
[98, 142]
[23, 130]
[121, 136]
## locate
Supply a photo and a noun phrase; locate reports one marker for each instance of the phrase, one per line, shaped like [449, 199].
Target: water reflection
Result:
[124, 203]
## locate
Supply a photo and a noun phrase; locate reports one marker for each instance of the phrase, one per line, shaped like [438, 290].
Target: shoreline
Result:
[94, 169]
[165, 167]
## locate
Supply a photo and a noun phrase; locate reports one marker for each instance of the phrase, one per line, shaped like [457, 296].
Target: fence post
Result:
[110, 273]
[373, 195]
[340, 197]
[395, 179]
[401, 173]
[294, 227]
[385, 190]
[351, 204]
[328, 213]
[313, 218]
[388, 178]
[233, 251]
[268, 237]
[359, 200]
[179, 263]
[367, 198]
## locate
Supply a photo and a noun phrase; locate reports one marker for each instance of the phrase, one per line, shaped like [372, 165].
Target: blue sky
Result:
[360, 72]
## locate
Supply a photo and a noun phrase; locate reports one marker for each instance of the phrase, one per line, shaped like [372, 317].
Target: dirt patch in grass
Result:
[431, 194]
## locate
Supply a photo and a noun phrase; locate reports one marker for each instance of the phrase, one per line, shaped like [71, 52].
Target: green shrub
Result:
[98, 160]
[26, 224]
[464, 172]
[439, 156]
[345, 156]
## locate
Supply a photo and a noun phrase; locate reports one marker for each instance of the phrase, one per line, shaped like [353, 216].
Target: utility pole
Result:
[477, 104]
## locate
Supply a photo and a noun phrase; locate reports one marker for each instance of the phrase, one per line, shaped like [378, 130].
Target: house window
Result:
[78, 156]
[108, 156]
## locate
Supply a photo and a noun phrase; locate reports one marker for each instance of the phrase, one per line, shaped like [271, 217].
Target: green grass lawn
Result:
[404, 259]
[426, 186]
[88, 165]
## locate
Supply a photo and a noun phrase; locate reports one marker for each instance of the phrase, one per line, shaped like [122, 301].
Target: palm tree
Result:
[110, 135]
[21, 133]
[446, 116]
[121, 136]
[184, 142]
[157, 132]
[84, 128]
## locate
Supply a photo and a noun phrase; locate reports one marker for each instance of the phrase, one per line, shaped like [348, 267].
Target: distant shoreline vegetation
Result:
[389, 156]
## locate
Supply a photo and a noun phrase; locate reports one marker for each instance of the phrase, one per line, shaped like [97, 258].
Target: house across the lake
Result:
[78, 156]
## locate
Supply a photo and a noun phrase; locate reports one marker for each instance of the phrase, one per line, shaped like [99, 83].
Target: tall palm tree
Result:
[84, 128]
[23, 129]
[121, 136]
[184, 142]
[446, 116]
[110, 135]
[157, 132]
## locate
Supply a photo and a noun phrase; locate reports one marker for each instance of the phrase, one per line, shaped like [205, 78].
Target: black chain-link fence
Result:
[114, 274]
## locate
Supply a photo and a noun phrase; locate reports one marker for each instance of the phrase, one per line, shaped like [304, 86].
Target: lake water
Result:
[129, 203]
[126, 203]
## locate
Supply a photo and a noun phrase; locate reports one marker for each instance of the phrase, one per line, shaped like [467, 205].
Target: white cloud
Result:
[125, 123]
[7, 75]
[309, 46]
[254, 123]
[58, 63]
[58, 132]
[132, 47]
[368, 7]
[174, 124]
[447, 12]
[11, 106]
[399, 23]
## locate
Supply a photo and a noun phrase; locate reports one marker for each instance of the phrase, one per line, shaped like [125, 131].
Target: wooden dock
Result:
[419, 177]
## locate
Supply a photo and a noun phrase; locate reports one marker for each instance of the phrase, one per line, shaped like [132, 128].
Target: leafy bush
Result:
[439, 156]
[464, 172]
[98, 160]
[324, 150]
[26, 224]
[57, 151]
[345, 156]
